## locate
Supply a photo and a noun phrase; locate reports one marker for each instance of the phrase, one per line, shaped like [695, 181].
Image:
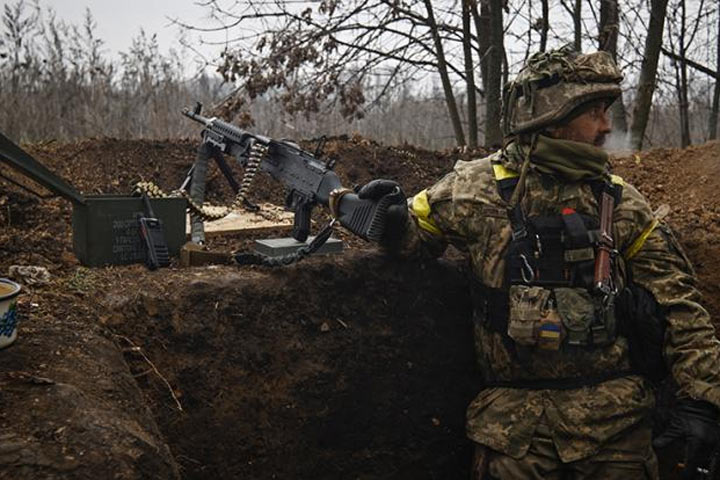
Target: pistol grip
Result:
[301, 223]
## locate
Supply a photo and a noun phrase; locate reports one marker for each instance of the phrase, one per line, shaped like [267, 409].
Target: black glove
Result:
[696, 423]
[397, 213]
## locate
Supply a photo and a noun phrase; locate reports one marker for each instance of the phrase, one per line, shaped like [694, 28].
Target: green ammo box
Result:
[106, 229]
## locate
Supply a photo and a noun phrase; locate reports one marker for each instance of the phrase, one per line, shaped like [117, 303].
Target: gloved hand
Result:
[696, 423]
[397, 213]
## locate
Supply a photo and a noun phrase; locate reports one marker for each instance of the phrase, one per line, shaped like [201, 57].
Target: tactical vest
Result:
[548, 300]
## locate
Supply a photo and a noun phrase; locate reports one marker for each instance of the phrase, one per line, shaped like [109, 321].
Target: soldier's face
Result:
[591, 126]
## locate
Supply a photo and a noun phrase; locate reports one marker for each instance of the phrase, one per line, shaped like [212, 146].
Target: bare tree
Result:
[481, 18]
[442, 67]
[488, 26]
[318, 56]
[18, 61]
[576, 14]
[57, 84]
[324, 53]
[681, 73]
[715, 110]
[544, 25]
[494, 57]
[609, 27]
[469, 74]
[683, 27]
[648, 72]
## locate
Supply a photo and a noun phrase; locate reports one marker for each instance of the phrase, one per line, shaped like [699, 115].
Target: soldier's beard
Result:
[600, 140]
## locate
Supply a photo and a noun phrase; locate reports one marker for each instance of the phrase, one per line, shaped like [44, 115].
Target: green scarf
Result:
[568, 160]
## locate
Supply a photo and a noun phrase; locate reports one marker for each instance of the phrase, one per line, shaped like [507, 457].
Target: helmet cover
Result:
[553, 84]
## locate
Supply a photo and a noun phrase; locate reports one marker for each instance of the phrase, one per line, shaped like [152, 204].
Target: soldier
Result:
[582, 296]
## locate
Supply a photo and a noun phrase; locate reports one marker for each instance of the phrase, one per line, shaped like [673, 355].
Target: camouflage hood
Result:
[552, 84]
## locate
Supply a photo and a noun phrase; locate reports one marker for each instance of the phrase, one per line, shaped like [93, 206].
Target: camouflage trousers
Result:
[629, 456]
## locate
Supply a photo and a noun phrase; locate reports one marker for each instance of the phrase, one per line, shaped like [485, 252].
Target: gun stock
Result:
[603, 268]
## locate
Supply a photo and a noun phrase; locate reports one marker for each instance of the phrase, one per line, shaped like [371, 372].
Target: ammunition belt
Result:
[213, 212]
[205, 212]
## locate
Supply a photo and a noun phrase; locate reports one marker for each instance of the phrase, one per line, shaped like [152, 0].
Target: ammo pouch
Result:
[548, 318]
[533, 319]
[642, 321]
[587, 323]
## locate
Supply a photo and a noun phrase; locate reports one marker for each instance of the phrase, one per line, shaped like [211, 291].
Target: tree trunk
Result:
[469, 76]
[545, 25]
[607, 40]
[648, 72]
[715, 111]
[444, 77]
[682, 85]
[618, 114]
[493, 132]
[482, 27]
[577, 21]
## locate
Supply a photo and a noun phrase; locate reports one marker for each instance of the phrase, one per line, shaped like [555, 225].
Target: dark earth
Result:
[354, 366]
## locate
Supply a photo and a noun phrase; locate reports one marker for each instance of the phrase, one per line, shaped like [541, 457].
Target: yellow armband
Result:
[617, 180]
[502, 173]
[635, 247]
[421, 210]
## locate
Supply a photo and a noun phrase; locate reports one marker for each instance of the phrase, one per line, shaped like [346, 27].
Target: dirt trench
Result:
[355, 367]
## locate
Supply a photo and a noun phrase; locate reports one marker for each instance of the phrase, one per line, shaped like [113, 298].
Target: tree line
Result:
[56, 81]
[413, 71]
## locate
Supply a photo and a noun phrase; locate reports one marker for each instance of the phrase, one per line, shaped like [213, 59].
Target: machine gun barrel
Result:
[195, 115]
[224, 135]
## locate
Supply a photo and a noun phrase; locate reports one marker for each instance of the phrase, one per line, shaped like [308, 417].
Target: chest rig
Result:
[558, 290]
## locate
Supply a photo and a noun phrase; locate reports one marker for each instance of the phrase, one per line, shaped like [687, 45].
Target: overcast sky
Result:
[119, 21]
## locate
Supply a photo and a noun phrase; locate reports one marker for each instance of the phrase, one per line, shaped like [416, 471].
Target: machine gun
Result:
[308, 180]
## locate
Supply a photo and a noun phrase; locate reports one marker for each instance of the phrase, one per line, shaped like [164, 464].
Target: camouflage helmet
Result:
[552, 84]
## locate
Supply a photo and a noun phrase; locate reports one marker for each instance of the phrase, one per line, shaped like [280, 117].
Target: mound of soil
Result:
[69, 405]
[354, 366]
[688, 181]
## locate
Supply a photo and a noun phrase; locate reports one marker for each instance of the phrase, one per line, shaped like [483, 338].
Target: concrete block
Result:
[276, 247]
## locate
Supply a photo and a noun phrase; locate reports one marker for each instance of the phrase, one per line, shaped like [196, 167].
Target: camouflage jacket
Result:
[465, 209]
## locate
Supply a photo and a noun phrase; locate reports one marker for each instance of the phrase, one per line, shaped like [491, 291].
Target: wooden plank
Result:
[192, 255]
[270, 217]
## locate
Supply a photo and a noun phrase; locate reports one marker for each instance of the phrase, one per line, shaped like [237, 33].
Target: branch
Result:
[695, 65]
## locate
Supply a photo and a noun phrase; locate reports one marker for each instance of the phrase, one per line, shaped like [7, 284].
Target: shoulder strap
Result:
[507, 181]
